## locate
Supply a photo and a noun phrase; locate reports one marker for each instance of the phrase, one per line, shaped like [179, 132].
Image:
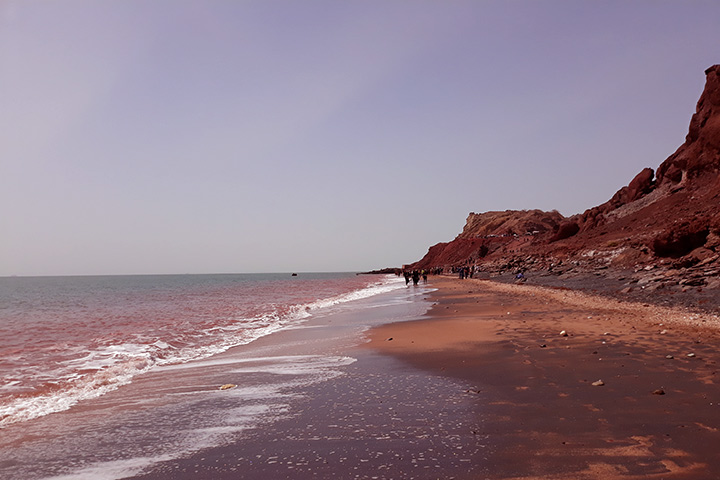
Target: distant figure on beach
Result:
[465, 273]
[424, 275]
[415, 277]
[406, 274]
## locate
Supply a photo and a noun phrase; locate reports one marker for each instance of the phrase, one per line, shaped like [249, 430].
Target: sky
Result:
[220, 136]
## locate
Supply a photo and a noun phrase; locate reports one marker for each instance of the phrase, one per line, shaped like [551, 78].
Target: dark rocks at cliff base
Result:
[659, 234]
[566, 230]
[681, 239]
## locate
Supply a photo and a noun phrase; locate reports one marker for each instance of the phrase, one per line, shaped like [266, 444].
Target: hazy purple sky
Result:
[248, 136]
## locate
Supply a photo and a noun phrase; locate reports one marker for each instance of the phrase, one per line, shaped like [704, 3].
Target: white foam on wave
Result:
[251, 406]
[108, 367]
[84, 387]
[245, 330]
[388, 284]
[296, 365]
[10, 385]
[112, 470]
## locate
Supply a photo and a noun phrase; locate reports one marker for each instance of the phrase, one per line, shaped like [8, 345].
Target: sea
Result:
[103, 376]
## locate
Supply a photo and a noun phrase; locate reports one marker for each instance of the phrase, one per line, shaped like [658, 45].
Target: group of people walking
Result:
[415, 276]
[465, 272]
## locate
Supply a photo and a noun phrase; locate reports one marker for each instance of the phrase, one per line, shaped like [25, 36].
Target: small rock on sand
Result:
[227, 386]
[598, 383]
[563, 333]
[659, 391]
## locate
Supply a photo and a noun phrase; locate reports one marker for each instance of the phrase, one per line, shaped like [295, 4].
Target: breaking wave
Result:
[104, 365]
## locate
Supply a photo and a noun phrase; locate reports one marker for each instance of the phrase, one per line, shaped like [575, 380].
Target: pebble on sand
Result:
[659, 391]
[227, 386]
[563, 333]
[598, 383]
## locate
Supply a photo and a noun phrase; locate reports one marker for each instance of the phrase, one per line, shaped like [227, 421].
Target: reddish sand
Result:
[535, 357]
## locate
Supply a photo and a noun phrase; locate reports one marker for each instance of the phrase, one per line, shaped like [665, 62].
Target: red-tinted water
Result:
[66, 339]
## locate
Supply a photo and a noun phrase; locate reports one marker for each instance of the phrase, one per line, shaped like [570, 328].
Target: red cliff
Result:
[668, 220]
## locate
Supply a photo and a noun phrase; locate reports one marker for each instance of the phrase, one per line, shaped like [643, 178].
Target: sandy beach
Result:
[577, 386]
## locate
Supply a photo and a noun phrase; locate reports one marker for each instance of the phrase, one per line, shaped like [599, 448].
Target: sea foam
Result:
[107, 367]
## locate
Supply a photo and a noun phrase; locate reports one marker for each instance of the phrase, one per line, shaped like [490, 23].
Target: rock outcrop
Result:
[700, 154]
[665, 221]
[510, 222]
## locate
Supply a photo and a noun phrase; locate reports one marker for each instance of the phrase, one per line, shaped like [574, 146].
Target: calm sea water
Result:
[98, 374]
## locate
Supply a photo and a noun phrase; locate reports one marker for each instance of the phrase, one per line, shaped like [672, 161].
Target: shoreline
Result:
[485, 385]
[579, 386]
[174, 411]
[369, 422]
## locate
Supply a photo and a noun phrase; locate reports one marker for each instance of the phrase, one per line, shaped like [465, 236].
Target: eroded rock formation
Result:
[667, 219]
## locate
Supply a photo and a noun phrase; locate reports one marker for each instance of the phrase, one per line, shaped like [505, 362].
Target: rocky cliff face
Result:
[700, 154]
[667, 220]
[488, 234]
[510, 222]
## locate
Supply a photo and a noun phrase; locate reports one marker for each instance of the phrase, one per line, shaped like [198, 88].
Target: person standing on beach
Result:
[415, 277]
[407, 277]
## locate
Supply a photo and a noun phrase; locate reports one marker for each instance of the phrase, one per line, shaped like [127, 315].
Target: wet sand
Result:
[487, 386]
[383, 418]
[577, 386]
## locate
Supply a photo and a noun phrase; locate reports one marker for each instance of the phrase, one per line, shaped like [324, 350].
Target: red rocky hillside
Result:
[664, 225]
